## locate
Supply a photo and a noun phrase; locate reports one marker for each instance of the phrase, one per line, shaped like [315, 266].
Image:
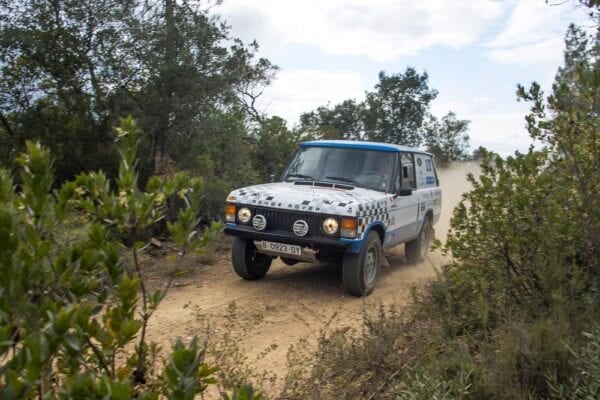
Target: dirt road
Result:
[290, 303]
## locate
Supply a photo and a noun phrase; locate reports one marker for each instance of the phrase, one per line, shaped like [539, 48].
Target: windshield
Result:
[359, 167]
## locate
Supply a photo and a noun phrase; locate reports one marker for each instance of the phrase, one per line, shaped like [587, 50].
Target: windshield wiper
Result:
[341, 178]
[299, 176]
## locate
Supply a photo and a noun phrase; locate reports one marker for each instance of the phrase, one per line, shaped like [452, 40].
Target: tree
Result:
[343, 121]
[532, 219]
[476, 154]
[71, 68]
[193, 76]
[60, 63]
[224, 159]
[446, 139]
[567, 123]
[254, 78]
[275, 143]
[395, 111]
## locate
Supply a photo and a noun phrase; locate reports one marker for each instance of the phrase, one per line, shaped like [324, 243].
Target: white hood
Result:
[318, 199]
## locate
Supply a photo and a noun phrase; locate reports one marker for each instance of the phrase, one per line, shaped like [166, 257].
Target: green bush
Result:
[74, 314]
[349, 363]
[585, 382]
[421, 386]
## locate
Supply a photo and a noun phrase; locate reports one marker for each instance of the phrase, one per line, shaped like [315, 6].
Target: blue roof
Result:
[355, 144]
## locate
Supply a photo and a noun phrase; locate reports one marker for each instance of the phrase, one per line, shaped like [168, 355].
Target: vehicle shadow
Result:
[306, 277]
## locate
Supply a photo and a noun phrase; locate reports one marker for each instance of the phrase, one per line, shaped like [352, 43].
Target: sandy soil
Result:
[290, 303]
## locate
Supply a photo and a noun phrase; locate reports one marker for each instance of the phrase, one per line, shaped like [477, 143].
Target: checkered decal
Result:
[372, 212]
[368, 205]
[306, 198]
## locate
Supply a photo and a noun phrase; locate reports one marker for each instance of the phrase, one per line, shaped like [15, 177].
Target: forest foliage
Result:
[71, 69]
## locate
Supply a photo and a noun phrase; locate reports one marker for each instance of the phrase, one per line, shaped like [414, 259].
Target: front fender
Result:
[355, 245]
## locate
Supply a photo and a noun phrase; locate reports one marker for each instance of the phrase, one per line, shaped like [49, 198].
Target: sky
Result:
[474, 51]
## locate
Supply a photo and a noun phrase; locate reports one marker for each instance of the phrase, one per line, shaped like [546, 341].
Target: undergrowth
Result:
[224, 347]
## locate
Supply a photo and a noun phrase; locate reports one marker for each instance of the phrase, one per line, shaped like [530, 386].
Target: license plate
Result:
[281, 248]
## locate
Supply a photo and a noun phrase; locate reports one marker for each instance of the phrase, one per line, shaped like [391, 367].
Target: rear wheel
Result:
[247, 263]
[416, 250]
[361, 271]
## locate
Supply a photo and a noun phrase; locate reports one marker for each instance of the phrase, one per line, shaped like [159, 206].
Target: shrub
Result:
[349, 363]
[421, 386]
[584, 383]
[73, 315]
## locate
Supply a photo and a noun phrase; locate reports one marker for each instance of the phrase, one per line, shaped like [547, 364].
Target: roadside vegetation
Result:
[75, 312]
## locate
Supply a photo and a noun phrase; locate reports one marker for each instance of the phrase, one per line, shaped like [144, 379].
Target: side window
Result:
[407, 171]
[425, 172]
[428, 166]
[435, 174]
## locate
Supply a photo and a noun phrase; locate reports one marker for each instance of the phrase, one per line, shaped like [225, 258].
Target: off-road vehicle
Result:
[337, 201]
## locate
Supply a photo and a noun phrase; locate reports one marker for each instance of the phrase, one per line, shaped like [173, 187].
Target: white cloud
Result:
[295, 92]
[547, 52]
[533, 34]
[383, 30]
[502, 132]
[498, 127]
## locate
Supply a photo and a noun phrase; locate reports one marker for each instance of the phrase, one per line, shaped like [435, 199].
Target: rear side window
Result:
[425, 172]
[406, 173]
[428, 166]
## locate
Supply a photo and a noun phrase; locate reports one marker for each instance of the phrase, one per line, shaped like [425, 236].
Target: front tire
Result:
[361, 271]
[416, 250]
[247, 263]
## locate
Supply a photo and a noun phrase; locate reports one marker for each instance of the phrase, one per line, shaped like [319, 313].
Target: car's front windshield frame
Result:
[367, 168]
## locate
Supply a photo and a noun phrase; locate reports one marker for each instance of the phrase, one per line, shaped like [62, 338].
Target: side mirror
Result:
[272, 178]
[404, 191]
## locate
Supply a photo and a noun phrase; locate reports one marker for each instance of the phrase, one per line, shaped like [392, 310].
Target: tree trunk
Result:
[167, 85]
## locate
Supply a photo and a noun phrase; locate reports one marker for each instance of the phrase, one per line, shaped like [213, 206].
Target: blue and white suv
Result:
[337, 200]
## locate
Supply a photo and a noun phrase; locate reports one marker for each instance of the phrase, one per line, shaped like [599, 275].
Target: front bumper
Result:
[247, 232]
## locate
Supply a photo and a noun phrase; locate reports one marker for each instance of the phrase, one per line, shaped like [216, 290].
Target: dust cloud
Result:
[453, 181]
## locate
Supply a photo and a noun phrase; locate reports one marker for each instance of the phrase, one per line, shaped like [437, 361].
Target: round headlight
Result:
[330, 226]
[244, 215]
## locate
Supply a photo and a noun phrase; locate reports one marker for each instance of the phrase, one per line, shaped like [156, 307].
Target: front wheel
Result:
[247, 263]
[416, 250]
[361, 271]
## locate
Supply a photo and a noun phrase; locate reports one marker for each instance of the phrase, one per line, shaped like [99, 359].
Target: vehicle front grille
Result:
[283, 220]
